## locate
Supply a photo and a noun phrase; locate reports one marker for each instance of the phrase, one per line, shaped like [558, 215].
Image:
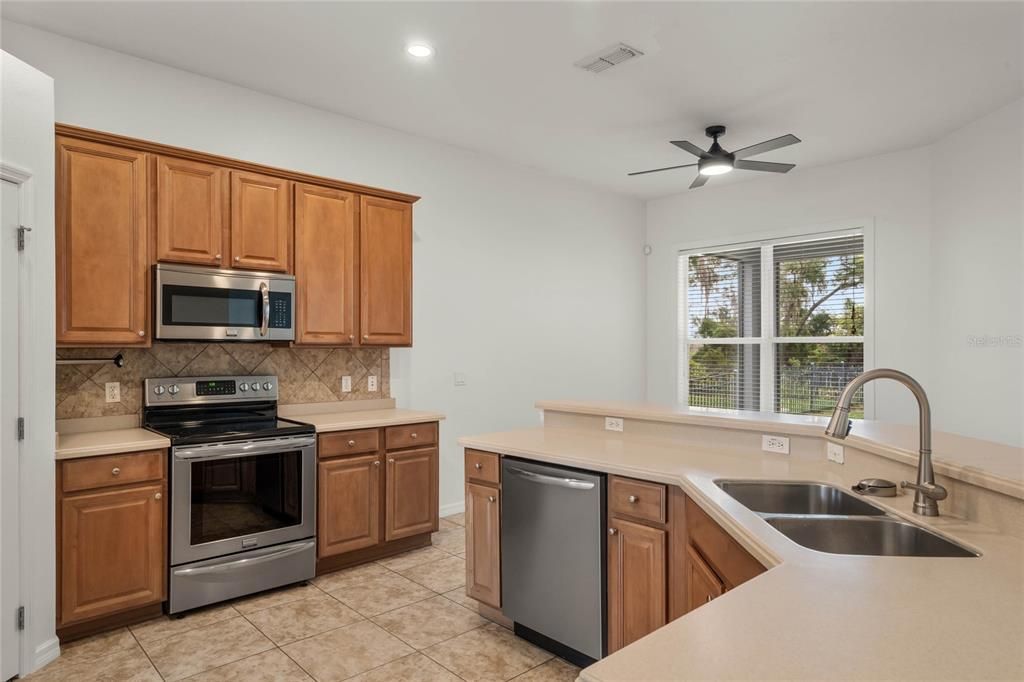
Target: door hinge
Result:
[21, 617]
[21, 428]
[21, 236]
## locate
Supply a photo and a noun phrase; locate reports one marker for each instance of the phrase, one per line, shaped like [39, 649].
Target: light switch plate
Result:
[613, 424]
[371, 383]
[836, 453]
[113, 391]
[779, 444]
[460, 378]
[346, 384]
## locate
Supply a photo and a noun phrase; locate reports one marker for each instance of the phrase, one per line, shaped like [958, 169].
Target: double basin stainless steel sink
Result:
[829, 519]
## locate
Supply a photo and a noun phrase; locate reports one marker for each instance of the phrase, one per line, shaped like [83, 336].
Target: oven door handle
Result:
[232, 450]
[265, 294]
[245, 563]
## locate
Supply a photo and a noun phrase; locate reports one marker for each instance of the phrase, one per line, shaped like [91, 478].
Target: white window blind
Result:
[775, 326]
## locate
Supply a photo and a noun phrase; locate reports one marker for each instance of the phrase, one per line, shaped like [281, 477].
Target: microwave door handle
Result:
[265, 294]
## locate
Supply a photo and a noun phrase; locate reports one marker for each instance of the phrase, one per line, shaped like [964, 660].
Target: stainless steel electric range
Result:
[243, 487]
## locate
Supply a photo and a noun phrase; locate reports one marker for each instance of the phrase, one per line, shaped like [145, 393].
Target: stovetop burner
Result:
[198, 410]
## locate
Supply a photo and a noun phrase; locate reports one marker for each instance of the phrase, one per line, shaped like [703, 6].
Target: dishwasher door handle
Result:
[573, 483]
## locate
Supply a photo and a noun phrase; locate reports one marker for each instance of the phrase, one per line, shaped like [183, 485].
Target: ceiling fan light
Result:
[715, 167]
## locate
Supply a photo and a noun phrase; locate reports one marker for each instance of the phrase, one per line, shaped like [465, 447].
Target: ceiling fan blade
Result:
[690, 147]
[766, 146]
[658, 170]
[764, 166]
[699, 181]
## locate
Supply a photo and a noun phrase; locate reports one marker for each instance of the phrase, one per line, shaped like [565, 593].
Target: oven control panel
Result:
[185, 390]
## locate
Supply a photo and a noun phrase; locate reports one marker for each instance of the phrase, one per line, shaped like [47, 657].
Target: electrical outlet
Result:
[836, 453]
[779, 444]
[371, 383]
[613, 424]
[346, 384]
[113, 390]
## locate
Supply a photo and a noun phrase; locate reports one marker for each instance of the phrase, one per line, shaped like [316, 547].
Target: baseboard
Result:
[47, 652]
[453, 508]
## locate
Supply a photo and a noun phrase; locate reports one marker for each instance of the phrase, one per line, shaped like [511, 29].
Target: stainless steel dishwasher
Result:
[553, 557]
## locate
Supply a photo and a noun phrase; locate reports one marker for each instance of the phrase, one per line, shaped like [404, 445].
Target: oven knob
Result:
[159, 390]
[267, 386]
[173, 389]
[243, 387]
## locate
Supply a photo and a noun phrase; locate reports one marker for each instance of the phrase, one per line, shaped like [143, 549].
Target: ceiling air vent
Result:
[607, 58]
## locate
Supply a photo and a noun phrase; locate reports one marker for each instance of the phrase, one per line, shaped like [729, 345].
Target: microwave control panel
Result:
[280, 311]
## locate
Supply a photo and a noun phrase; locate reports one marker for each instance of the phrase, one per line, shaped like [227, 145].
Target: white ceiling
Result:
[850, 79]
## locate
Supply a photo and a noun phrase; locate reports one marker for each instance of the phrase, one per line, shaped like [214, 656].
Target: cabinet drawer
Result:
[411, 435]
[638, 499]
[728, 559]
[483, 466]
[111, 470]
[349, 442]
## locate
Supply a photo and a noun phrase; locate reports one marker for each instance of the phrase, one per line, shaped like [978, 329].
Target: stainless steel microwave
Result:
[205, 304]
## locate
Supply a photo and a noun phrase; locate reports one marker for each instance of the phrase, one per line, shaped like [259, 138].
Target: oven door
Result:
[207, 304]
[232, 497]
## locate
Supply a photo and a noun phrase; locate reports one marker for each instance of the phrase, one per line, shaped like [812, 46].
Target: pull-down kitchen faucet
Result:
[927, 491]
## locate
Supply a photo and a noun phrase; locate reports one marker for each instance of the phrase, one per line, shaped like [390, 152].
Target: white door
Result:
[10, 274]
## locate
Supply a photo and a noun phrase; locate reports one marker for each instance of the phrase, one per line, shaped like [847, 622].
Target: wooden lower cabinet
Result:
[703, 584]
[112, 550]
[349, 504]
[483, 544]
[412, 489]
[637, 581]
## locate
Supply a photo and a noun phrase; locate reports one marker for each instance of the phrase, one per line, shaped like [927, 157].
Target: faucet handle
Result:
[932, 491]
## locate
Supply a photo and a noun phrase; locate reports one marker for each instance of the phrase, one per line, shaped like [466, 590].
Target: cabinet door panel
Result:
[411, 493]
[703, 583]
[102, 245]
[260, 222]
[190, 211]
[113, 553]
[385, 267]
[483, 544]
[349, 505]
[325, 265]
[637, 601]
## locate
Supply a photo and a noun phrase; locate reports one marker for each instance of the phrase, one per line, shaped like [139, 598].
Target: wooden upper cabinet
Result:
[190, 211]
[385, 267]
[102, 254]
[349, 506]
[637, 584]
[325, 265]
[113, 553]
[411, 493]
[483, 544]
[260, 222]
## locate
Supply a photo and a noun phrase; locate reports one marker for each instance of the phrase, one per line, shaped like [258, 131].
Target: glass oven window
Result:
[212, 307]
[245, 495]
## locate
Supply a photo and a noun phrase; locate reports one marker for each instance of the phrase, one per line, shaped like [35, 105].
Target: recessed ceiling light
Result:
[420, 50]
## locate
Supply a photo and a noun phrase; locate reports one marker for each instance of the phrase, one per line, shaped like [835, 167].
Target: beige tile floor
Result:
[402, 618]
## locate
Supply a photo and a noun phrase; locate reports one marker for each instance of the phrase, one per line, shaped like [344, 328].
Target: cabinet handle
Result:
[238, 258]
[216, 256]
[633, 499]
[116, 471]
[612, 531]
[478, 466]
[490, 498]
[709, 599]
[351, 443]
[377, 463]
[413, 435]
[142, 332]
[391, 460]
[351, 337]
[158, 496]
[366, 336]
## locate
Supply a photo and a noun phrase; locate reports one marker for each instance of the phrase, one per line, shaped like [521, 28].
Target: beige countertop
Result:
[366, 419]
[812, 615]
[108, 442]
[986, 463]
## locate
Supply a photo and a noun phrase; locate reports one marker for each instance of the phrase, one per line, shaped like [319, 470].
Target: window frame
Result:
[768, 341]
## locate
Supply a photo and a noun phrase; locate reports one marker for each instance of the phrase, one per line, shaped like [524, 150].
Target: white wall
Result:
[527, 283]
[26, 141]
[947, 264]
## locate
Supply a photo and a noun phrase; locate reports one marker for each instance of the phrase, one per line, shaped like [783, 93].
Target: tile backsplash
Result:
[304, 375]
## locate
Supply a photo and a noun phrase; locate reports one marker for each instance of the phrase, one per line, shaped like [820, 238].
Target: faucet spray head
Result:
[839, 425]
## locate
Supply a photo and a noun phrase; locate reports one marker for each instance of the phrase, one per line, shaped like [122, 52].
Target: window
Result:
[772, 326]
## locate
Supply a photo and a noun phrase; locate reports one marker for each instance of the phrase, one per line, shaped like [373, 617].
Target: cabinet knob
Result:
[478, 466]
[217, 256]
[366, 336]
[490, 498]
[158, 496]
[142, 332]
[116, 471]
[351, 337]
[612, 531]
[633, 499]
[391, 460]
[377, 463]
[709, 599]
[413, 435]
[238, 258]
[351, 443]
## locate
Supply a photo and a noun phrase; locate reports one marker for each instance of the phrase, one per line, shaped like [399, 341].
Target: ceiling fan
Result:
[716, 161]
